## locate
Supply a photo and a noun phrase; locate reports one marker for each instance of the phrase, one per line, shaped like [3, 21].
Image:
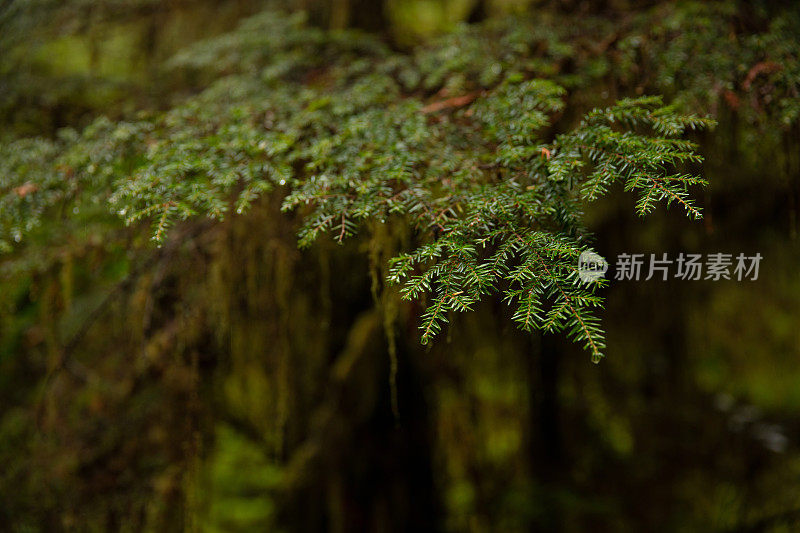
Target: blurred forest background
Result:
[228, 381]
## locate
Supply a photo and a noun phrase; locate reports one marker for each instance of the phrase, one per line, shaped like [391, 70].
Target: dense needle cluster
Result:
[349, 131]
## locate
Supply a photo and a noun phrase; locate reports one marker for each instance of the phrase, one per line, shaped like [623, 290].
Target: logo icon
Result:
[591, 266]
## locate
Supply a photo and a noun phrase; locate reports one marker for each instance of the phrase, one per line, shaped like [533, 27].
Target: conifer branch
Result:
[496, 203]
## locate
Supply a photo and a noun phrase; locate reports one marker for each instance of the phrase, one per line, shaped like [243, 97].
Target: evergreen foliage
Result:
[341, 126]
[226, 349]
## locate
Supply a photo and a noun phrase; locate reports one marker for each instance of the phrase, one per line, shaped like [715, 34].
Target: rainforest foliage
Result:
[257, 230]
[492, 198]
